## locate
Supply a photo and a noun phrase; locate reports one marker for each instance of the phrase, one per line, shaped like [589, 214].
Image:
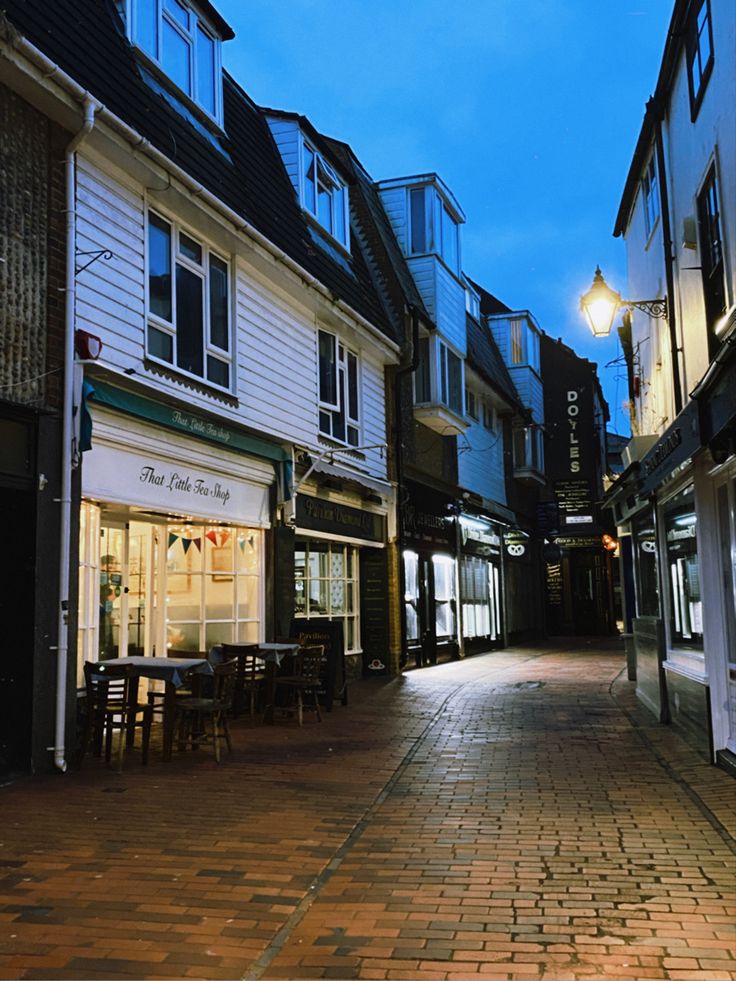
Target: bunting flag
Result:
[172, 538]
[224, 537]
[198, 543]
[212, 535]
[241, 543]
[186, 544]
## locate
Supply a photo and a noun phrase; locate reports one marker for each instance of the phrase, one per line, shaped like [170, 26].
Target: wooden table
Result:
[173, 672]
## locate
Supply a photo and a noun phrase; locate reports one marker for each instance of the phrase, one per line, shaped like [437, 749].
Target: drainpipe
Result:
[669, 260]
[65, 499]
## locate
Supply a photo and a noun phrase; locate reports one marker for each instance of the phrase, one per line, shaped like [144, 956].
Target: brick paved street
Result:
[514, 815]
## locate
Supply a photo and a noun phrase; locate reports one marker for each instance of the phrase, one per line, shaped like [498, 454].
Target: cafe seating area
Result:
[194, 697]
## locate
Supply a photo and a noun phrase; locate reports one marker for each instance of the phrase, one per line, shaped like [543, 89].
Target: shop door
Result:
[726, 502]
[127, 596]
[427, 620]
[494, 597]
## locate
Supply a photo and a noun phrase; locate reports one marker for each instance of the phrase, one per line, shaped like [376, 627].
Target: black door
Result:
[17, 588]
[427, 652]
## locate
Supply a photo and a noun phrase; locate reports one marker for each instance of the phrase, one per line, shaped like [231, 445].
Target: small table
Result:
[173, 672]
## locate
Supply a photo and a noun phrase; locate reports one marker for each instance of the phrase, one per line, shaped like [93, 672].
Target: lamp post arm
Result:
[654, 308]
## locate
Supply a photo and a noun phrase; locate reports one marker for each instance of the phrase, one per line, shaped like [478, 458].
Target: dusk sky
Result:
[529, 110]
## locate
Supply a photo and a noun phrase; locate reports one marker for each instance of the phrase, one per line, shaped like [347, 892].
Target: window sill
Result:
[694, 670]
[190, 382]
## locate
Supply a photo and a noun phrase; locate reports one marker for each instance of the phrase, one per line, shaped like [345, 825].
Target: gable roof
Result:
[242, 168]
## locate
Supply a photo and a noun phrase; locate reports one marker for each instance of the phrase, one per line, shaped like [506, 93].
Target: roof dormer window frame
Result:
[433, 226]
[183, 46]
[323, 194]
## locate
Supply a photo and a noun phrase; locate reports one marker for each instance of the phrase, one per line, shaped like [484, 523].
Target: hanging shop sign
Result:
[575, 501]
[120, 475]
[332, 518]
[479, 540]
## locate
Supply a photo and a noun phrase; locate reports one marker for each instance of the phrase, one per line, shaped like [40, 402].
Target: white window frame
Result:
[351, 557]
[326, 177]
[332, 414]
[130, 10]
[472, 404]
[443, 350]
[472, 301]
[436, 215]
[202, 271]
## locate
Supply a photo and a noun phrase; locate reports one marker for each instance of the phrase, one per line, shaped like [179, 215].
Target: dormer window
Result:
[183, 45]
[323, 194]
[433, 228]
[472, 301]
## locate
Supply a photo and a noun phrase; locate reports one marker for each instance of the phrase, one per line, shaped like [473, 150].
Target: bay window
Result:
[339, 409]
[433, 228]
[440, 376]
[188, 304]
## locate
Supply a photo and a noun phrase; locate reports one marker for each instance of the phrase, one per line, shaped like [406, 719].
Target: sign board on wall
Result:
[120, 475]
[330, 517]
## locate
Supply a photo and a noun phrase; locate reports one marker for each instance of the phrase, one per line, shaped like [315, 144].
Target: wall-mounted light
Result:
[601, 303]
[88, 346]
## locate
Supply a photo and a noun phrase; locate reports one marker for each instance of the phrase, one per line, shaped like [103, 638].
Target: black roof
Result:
[243, 168]
[489, 304]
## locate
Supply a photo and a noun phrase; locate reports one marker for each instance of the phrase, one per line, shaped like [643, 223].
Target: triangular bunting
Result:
[186, 544]
[212, 535]
[172, 538]
[198, 543]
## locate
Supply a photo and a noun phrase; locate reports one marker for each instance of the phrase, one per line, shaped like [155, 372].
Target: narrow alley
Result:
[515, 815]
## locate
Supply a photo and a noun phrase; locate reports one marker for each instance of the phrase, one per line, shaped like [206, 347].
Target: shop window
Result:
[411, 595]
[644, 543]
[711, 255]
[476, 585]
[188, 304]
[339, 412]
[444, 596]
[89, 587]
[326, 585]
[685, 602]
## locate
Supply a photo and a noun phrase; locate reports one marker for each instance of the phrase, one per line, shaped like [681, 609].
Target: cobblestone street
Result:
[514, 815]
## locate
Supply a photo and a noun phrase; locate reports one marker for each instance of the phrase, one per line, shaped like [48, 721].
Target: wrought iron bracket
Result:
[654, 308]
[105, 254]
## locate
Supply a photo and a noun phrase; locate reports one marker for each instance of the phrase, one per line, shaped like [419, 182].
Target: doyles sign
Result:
[573, 437]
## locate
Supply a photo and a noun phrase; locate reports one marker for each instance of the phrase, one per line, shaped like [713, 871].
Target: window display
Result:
[326, 585]
[686, 608]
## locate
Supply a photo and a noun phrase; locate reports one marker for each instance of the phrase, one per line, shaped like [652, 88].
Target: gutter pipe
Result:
[65, 499]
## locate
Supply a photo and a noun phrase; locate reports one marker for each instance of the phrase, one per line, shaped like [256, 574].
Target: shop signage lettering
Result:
[174, 481]
[200, 426]
[668, 445]
[341, 516]
[338, 519]
[573, 411]
[677, 534]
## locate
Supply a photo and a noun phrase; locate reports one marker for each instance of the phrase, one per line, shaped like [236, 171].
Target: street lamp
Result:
[600, 305]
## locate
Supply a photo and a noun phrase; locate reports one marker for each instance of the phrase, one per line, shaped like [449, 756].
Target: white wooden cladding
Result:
[275, 365]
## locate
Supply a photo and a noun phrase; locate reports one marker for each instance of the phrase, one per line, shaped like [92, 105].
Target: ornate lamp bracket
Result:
[654, 308]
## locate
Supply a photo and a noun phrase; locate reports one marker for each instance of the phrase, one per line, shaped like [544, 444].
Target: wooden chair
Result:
[250, 677]
[112, 705]
[192, 687]
[305, 679]
[193, 712]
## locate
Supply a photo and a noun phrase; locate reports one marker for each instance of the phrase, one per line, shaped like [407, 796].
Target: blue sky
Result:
[529, 110]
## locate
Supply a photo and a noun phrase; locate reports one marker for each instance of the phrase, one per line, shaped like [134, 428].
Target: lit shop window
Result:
[411, 594]
[644, 543]
[213, 586]
[444, 595]
[326, 585]
[686, 607]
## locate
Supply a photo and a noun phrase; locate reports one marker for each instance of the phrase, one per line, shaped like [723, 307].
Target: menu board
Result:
[328, 633]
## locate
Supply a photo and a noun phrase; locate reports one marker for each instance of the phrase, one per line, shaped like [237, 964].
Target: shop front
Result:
[480, 583]
[172, 536]
[340, 571]
[430, 574]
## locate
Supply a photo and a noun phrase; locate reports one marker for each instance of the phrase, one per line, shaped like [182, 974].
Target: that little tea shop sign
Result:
[169, 486]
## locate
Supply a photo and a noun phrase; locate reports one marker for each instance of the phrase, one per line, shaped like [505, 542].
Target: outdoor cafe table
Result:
[273, 654]
[173, 672]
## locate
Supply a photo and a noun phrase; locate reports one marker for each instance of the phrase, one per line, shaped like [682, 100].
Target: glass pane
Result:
[219, 597]
[160, 345]
[449, 240]
[175, 58]
[219, 333]
[422, 390]
[454, 377]
[300, 560]
[418, 223]
[338, 597]
[189, 325]
[351, 562]
[159, 267]
[248, 633]
[218, 633]
[206, 71]
[218, 372]
[339, 199]
[337, 563]
[327, 369]
[182, 636]
[146, 26]
[318, 560]
[190, 248]
[352, 387]
[324, 207]
[247, 550]
[247, 598]
[177, 10]
[300, 597]
[218, 544]
[318, 597]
